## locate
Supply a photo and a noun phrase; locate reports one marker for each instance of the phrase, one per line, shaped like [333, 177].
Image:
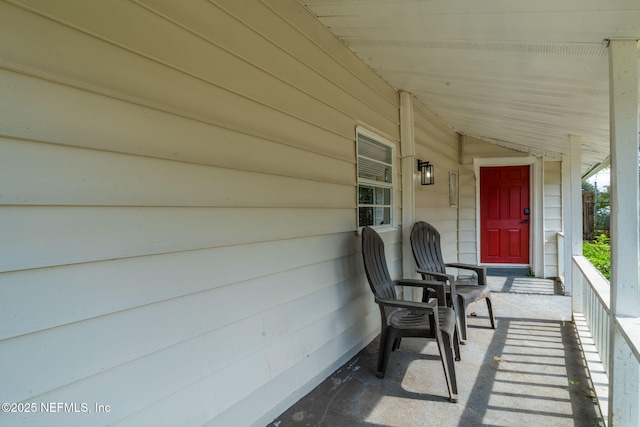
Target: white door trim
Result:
[536, 238]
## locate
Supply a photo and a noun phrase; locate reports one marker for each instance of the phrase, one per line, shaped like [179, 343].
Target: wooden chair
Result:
[399, 318]
[425, 243]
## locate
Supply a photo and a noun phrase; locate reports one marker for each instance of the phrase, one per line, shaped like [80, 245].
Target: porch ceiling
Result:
[523, 74]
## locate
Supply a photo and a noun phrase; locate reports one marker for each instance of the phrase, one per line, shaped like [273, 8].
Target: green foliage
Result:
[603, 211]
[599, 253]
[601, 207]
[587, 186]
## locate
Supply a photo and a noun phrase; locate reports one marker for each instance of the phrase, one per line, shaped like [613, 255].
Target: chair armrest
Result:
[419, 283]
[480, 271]
[438, 287]
[428, 307]
[437, 275]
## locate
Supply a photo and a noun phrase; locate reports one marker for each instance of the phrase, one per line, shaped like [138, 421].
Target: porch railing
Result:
[592, 315]
[594, 305]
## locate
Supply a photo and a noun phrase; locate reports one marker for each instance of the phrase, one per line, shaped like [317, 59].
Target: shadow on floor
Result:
[529, 371]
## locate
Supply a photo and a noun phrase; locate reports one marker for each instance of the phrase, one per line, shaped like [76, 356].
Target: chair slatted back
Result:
[425, 243]
[375, 264]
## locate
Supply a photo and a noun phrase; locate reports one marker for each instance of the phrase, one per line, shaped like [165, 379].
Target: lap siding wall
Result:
[179, 194]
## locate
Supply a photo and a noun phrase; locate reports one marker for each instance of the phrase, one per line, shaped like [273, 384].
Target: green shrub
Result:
[599, 253]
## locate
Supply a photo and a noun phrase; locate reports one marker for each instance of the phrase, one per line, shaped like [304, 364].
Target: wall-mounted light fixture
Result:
[426, 172]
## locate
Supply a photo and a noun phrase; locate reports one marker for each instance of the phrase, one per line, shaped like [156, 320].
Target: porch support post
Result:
[572, 217]
[624, 391]
[538, 218]
[408, 153]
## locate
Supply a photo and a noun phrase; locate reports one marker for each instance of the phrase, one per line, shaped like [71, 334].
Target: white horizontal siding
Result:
[87, 120]
[67, 56]
[107, 179]
[475, 148]
[71, 293]
[181, 207]
[195, 404]
[49, 236]
[552, 216]
[137, 327]
[196, 352]
[468, 250]
[357, 80]
[437, 144]
[294, 375]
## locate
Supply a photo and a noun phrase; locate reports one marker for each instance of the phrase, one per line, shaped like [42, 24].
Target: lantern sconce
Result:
[426, 172]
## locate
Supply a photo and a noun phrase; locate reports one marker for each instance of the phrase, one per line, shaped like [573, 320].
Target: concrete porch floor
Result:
[527, 372]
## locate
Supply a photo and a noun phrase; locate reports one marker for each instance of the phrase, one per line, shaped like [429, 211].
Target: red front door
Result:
[504, 215]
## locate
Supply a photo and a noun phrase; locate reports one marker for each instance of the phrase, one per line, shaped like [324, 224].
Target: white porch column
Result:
[624, 391]
[408, 153]
[537, 223]
[572, 217]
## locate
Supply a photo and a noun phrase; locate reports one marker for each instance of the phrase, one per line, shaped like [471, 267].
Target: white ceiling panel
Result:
[523, 74]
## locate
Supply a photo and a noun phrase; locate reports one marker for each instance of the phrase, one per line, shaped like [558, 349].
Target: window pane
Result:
[373, 149]
[383, 196]
[365, 216]
[373, 170]
[382, 216]
[365, 195]
[374, 216]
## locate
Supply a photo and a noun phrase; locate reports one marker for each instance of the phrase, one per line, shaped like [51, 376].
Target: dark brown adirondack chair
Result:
[407, 318]
[425, 243]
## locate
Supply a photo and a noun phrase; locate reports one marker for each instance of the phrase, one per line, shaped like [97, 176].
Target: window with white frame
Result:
[375, 180]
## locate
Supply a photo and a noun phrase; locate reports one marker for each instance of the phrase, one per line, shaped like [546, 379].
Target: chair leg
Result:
[427, 295]
[396, 344]
[446, 354]
[386, 344]
[381, 352]
[462, 316]
[456, 343]
[491, 318]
